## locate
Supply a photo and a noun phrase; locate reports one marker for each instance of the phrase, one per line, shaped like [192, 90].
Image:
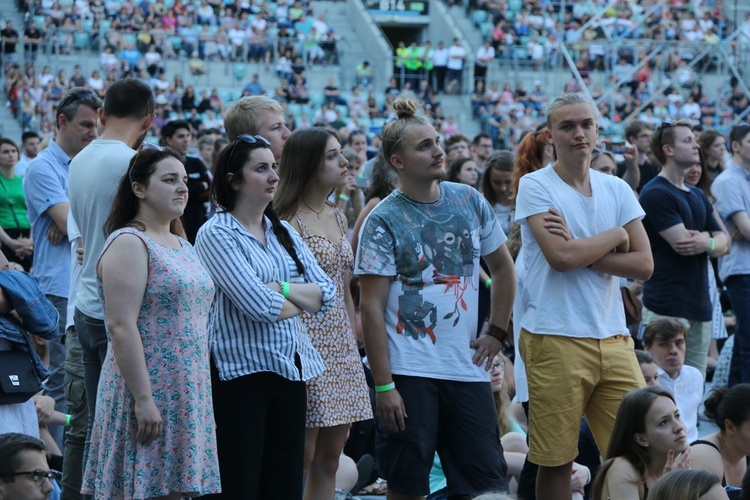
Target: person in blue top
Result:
[682, 230]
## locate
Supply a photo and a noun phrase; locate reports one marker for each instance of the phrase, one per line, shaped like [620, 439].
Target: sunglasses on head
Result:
[73, 97]
[252, 140]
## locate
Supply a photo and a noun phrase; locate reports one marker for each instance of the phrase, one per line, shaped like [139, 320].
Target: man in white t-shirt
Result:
[456, 56]
[95, 174]
[578, 353]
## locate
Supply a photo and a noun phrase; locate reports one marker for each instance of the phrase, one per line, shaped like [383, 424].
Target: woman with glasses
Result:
[261, 354]
[312, 166]
[153, 433]
[15, 231]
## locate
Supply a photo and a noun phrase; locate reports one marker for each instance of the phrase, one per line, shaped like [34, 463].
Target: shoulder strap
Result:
[703, 441]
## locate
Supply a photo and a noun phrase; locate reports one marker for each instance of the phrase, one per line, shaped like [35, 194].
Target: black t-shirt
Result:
[648, 172]
[679, 285]
[199, 186]
[9, 47]
[35, 35]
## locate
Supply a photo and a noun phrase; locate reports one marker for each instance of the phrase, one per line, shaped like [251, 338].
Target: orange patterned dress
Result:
[339, 395]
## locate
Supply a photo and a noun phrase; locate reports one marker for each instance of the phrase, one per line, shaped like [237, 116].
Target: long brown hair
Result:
[301, 161]
[126, 204]
[630, 420]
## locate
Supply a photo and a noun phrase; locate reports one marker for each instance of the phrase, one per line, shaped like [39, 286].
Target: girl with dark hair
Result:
[713, 147]
[497, 183]
[153, 434]
[312, 166]
[688, 485]
[463, 170]
[725, 452]
[261, 353]
[648, 440]
[15, 231]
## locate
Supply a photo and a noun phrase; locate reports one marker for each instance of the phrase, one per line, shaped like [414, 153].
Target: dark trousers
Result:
[738, 287]
[260, 430]
[75, 438]
[54, 387]
[92, 334]
[440, 78]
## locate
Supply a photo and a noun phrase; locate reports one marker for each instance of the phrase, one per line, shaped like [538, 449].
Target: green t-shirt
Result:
[12, 204]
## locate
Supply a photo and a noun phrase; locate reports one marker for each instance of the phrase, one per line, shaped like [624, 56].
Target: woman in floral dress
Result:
[154, 431]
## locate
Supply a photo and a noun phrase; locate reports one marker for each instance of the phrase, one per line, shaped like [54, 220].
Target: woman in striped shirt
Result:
[261, 354]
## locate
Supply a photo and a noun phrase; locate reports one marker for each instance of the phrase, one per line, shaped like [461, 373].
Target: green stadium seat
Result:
[479, 17]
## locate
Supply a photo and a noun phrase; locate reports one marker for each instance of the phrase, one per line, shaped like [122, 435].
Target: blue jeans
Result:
[54, 387]
[92, 335]
[738, 287]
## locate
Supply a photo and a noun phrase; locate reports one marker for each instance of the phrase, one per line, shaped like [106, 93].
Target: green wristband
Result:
[488, 283]
[67, 420]
[385, 388]
[285, 289]
[713, 245]
[344, 197]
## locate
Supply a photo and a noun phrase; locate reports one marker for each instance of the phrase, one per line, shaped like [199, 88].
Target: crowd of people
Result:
[222, 314]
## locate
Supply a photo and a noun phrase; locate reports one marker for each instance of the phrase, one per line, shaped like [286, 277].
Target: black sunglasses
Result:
[252, 140]
[39, 475]
[73, 97]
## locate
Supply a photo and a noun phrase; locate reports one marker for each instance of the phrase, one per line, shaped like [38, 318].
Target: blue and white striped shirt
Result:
[245, 333]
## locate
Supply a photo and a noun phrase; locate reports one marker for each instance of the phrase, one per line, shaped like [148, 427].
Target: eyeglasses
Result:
[248, 139]
[39, 475]
[144, 145]
[73, 97]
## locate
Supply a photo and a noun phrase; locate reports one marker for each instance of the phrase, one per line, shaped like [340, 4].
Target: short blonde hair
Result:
[242, 115]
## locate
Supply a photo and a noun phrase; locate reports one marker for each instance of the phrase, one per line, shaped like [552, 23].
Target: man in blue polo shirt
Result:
[732, 192]
[46, 189]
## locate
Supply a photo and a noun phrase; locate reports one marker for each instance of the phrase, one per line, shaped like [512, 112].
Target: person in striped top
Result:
[261, 354]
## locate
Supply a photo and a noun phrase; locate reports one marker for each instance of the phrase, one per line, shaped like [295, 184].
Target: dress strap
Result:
[305, 231]
[342, 221]
[703, 441]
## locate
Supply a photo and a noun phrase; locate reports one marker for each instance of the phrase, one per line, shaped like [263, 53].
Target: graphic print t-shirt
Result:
[431, 253]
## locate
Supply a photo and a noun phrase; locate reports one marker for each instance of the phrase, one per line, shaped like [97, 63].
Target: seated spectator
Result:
[196, 64]
[363, 74]
[687, 485]
[300, 92]
[254, 87]
[648, 440]
[664, 339]
[24, 472]
[725, 452]
[153, 61]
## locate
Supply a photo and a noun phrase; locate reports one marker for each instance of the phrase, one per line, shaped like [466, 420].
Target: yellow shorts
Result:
[571, 377]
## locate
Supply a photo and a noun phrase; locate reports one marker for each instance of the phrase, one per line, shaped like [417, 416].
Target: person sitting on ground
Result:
[648, 367]
[648, 441]
[24, 472]
[688, 485]
[665, 340]
[725, 452]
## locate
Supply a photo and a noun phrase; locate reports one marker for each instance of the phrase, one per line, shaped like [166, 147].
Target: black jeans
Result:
[260, 430]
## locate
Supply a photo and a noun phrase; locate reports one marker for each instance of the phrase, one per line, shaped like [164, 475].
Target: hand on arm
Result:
[124, 272]
[374, 296]
[565, 255]
[59, 214]
[633, 260]
[741, 231]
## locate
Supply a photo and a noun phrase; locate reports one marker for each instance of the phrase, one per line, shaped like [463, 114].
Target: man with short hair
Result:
[682, 230]
[665, 339]
[581, 231]
[46, 189]
[731, 189]
[176, 134]
[9, 40]
[95, 175]
[30, 142]
[32, 37]
[481, 149]
[24, 472]
[456, 146]
[257, 115]
[639, 134]
[440, 64]
[455, 66]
